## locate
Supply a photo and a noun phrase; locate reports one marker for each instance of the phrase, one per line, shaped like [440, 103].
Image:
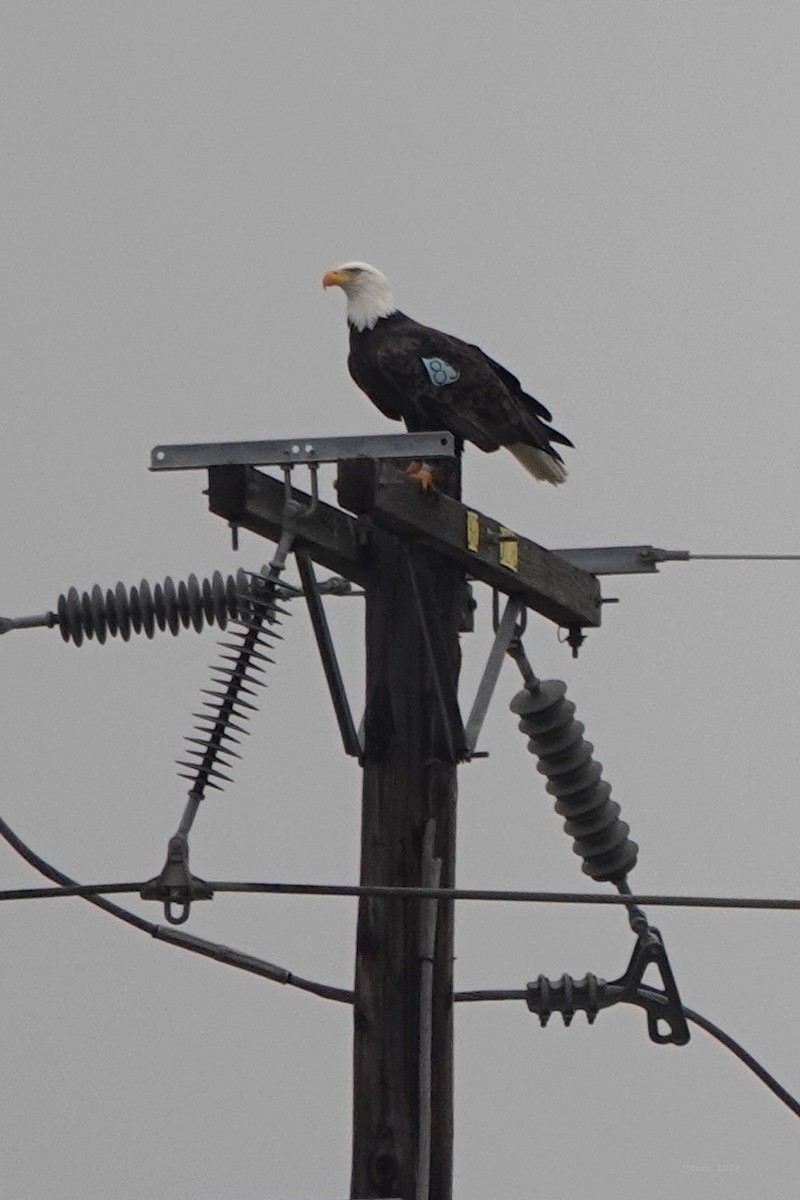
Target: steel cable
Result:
[95, 890]
[245, 962]
[184, 941]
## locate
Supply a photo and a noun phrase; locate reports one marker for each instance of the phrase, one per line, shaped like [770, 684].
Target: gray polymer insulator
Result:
[574, 778]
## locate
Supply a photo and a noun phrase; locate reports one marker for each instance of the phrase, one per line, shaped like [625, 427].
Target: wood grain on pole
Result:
[409, 778]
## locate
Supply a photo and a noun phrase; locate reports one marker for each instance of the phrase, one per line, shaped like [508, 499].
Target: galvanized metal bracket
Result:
[280, 452]
[621, 560]
[663, 1008]
[509, 627]
[351, 740]
[175, 884]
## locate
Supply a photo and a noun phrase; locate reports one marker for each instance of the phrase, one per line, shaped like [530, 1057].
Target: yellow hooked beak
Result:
[335, 278]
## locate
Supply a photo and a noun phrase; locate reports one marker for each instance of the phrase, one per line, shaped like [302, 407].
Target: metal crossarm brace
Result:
[283, 451]
[621, 560]
[491, 672]
[350, 738]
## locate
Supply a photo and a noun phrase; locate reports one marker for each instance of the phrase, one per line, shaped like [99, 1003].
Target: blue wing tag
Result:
[440, 372]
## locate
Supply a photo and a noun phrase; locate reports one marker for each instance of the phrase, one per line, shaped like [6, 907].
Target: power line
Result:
[482, 995]
[163, 933]
[746, 557]
[743, 1055]
[86, 891]
[406, 656]
[96, 890]
[246, 962]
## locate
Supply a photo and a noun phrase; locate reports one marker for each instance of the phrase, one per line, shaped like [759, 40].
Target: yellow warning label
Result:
[473, 532]
[509, 549]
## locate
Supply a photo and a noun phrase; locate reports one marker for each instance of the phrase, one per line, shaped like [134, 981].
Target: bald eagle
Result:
[432, 380]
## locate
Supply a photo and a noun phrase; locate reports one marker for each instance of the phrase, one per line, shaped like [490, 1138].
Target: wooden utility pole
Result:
[411, 552]
[412, 745]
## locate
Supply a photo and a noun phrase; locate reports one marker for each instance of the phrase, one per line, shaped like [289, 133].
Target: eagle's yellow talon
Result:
[422, 474]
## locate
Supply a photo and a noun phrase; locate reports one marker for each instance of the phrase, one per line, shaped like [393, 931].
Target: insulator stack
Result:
[574, 778]
[235, 681]
[143, 609]
[568, 996]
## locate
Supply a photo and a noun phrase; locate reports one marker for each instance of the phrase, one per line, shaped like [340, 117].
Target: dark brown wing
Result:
[469, 394]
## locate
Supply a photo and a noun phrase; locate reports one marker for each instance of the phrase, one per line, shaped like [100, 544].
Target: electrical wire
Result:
[482, 995]
[84, 890]
[163, 933]
[94, 891]
[747, 557]
[50, 872]
[245, 962]
[743, 1055]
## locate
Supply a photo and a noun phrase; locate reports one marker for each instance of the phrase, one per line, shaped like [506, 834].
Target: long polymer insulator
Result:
[143, 609]
[237, 676]
[574, 778]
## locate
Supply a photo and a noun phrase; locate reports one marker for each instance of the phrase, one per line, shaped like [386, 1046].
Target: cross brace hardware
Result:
[283, 451]
[387, 502]
[622, 560]
[482, 546]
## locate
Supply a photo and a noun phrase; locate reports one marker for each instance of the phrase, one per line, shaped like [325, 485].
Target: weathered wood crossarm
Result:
[482, 546]
[377, 491]
[250, 499]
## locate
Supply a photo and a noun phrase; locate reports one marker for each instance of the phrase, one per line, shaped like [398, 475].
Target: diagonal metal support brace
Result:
[353, 744]
[432, 635]
[503, 638]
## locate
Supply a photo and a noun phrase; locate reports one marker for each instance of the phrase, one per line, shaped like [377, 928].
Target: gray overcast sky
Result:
[605, 197]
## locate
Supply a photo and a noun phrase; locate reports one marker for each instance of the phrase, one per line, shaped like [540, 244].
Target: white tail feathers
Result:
[540, 464]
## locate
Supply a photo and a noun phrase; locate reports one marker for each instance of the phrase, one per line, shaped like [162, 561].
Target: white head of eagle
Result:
[432, 380]
[369, 294]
